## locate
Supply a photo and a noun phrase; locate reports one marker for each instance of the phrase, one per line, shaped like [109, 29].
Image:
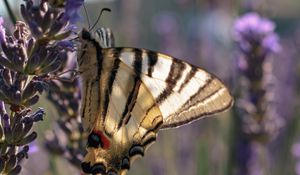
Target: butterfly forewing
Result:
[182, 92]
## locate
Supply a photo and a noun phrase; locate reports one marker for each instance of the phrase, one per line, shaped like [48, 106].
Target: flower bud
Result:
[15, 170]
[22, 32]
[51, 68]
[11, 163]
[17, 63]
[48, 19]
[35, 29]
[30, 45]
[41, 86]
[32, 64]
[43, 6]
[1, 132]
[24, 13]
[63, 35]
[16, 97]
[2, 164]
[65, 127]
[6, 74]
[2, 31]
[5, 90]
[7, 128]
[28, 123]
[38, 115]
[66, 44]
[19, 80]
[32, 101]
[23, 154]
[11, 150]
[56, 27]
[29, 138]
[2, 96]
[4, 61]
[2, 109]
[17, 132]
[29, 90]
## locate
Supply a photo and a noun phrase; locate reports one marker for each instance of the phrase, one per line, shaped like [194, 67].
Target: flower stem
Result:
[10, 12]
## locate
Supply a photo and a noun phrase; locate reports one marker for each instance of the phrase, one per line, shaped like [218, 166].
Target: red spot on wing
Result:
[104, 140]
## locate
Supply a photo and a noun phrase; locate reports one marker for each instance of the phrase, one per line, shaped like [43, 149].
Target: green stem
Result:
[10, 12]
[52, 164]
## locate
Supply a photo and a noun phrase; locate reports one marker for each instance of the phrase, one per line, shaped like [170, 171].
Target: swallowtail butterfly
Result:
[129, 94]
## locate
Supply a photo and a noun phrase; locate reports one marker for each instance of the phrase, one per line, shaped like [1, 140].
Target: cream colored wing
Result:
[182, 92]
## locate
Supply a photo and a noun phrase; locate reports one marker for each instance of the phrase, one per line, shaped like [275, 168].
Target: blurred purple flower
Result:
[296, 150]
[296, 153]
[251, 31]
[37, 48]
[2, 30]
[297, 169]
[71, 10]
[258, 120]
[33, 148]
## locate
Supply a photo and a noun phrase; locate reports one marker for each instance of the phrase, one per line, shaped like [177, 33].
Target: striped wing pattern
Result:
[129, 94]
[183, 92]
[105, 37]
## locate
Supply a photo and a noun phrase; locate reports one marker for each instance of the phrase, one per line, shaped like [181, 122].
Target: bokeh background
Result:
[199, 32]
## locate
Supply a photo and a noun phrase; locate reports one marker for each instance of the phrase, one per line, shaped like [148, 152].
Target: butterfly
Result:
[129, 94]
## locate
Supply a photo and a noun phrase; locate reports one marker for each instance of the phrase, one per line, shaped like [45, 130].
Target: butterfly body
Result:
[130, 93]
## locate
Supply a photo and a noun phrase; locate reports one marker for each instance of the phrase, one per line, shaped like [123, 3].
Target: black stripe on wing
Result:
[174, 75]
[111, 80]
[152, 60]
[134, 92]
[188, 77]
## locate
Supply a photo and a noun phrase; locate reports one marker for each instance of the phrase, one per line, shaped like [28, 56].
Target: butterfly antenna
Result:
[99, 16]
[87, 16]
[74, 74]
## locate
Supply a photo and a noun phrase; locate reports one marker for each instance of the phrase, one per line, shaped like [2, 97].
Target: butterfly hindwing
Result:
[106, 37]
[130, 121]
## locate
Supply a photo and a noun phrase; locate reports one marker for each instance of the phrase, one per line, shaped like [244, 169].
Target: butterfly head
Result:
[85, 35]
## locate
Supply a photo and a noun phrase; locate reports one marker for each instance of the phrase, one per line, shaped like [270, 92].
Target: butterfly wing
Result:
[105, 37]
[182, 92]
[129, 94]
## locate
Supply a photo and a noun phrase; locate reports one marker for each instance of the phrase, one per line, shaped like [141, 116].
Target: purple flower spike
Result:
[2, 30]
[71, 10]
[258, 119]
[252, 30]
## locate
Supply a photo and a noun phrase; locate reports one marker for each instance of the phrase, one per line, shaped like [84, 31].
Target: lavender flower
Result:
[71, 12]
[36, 51]
[258, 121]
[251, 30]
[15, 134]
[66, 98]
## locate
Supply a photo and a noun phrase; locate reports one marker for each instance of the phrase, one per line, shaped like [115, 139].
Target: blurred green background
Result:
[199, 32]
